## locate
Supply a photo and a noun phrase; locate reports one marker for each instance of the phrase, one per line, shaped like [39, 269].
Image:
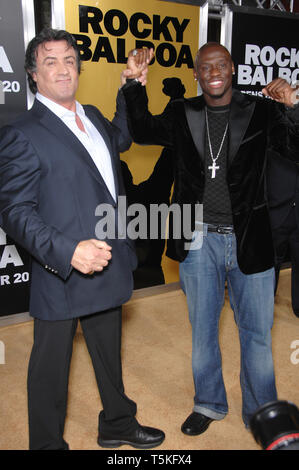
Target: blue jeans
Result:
[203, 274]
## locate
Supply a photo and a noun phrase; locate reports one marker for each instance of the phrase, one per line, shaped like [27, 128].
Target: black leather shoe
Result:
[196, 424]
[143, 438]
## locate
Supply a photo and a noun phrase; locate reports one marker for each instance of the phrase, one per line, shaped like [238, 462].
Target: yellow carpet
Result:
[157, 375]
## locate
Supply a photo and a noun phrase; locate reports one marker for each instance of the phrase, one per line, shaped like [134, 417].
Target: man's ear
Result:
[33, 76]
[194, 74]
[233, 69]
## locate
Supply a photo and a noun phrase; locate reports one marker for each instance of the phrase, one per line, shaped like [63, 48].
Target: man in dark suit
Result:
[283, 195]
[220, 142]
[58, 163]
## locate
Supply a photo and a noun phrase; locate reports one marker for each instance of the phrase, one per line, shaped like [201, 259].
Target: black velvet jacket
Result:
[255, 126]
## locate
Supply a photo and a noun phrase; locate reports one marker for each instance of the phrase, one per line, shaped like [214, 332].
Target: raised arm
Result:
[144, 127]
[284, 133]
[282, 92]
[137, 65]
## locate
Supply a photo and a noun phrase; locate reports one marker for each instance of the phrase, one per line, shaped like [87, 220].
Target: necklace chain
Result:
[214, 159]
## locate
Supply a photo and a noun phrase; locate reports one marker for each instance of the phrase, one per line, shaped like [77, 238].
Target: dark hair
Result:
[46, 35]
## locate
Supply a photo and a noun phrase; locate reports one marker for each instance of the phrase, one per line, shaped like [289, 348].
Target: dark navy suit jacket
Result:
[50, 188]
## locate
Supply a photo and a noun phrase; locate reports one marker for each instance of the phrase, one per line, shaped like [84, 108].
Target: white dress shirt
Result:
[91, 138]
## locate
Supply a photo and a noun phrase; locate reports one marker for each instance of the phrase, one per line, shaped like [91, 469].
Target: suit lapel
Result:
[97, 121]
[240, 114]
[195, 115]
[68, 139]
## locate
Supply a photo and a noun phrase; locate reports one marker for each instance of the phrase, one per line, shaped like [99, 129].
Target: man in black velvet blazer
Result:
[233, 242]
[58, 162]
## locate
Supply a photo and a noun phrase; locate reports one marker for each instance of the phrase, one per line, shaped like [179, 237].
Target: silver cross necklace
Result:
[214, 167]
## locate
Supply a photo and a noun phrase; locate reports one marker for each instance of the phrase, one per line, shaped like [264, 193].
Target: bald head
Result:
[210, 45]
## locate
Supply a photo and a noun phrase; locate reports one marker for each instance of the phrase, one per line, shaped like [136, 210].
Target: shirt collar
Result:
[59, 110]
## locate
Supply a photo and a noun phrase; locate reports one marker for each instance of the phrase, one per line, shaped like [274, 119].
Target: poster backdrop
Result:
[264, 46]
[106, 31]
[12, 51]
[14, 261]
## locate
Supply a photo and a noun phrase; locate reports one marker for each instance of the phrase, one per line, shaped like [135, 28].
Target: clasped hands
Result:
[137, 65]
